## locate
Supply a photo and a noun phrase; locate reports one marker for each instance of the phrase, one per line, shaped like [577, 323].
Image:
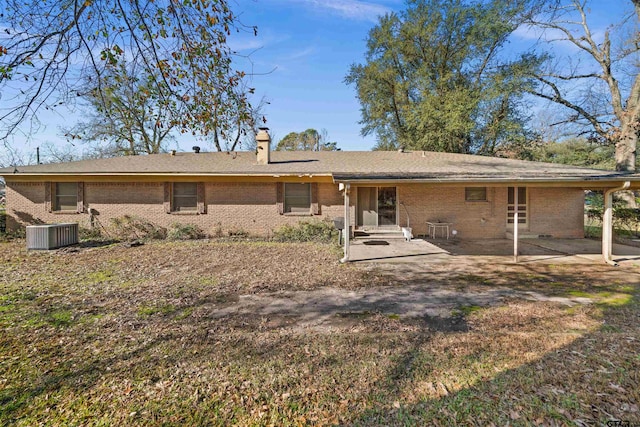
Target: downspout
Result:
[516, 221]
[607, 223]
[347, 222]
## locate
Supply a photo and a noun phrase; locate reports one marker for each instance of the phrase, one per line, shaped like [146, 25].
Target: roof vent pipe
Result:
[195, 149]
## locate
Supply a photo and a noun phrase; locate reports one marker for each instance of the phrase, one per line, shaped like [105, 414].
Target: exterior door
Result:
[387, 207]
[377, 206]
[367, 207]
[523, 214]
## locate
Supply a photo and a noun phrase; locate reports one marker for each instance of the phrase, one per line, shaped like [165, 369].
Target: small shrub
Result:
[307, 231]
[91, 233]
[179, 231]
[625, 220]
[217, 230]
[238, 233]
[9, 235]
[135, 228]
[3, 221]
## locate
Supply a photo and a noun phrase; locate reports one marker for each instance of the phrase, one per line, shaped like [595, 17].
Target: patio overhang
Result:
[587, 182]
[605, 183]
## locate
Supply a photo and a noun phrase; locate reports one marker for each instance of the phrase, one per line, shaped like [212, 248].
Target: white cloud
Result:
[351, 9]
[247, 43]
[300, 54]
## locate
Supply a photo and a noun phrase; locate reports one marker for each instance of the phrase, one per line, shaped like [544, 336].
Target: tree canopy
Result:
[309, 140]
[597, 86]
[433, 78]
[128, 117]
[575, 151]
[51, 49]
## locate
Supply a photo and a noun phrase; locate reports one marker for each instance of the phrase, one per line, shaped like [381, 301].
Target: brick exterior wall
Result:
[472, 220]
[557, 212]
[252, 207]
[249, 207]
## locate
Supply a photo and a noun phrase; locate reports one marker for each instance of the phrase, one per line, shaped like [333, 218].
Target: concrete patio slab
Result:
[578, 251]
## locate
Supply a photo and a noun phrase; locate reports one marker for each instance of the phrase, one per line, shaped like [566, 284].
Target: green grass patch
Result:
[187, 312]
[60, 318]
[150, 310]
[610, 329]
[7, 307]
[604, 297]
[465, 310]
[100, 276]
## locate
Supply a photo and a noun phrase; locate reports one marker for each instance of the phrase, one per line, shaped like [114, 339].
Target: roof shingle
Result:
[342, 165]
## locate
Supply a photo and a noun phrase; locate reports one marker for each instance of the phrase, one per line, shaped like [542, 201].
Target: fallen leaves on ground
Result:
[133, 336]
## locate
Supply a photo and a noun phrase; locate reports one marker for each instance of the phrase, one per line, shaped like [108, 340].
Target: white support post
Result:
[607, 223]
[515, 224]
[607, 227]
[347, 222]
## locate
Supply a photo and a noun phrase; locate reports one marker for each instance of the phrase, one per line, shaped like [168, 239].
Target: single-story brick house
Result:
[259, 192]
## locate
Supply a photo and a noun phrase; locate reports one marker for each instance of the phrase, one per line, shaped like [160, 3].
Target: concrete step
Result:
[380, 234]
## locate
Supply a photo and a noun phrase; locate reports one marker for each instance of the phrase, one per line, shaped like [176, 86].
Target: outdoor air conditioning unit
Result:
[51, 236]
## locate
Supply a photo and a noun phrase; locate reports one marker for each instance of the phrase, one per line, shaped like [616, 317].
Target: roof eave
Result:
[168, 174]
[604, 179]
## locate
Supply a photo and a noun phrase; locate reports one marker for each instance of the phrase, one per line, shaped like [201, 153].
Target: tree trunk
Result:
[626, 148]
[626, 159]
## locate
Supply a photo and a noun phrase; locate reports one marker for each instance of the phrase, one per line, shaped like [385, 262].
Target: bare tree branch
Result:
[624, 129]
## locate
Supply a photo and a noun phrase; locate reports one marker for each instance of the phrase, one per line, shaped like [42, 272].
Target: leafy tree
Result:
[50, 48]
[577, 152]
[242, 129]
[598, 88]
[130, 115]
[433, 79]
[308, 140]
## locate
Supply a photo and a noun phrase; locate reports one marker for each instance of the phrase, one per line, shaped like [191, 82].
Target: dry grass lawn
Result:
[113, 335]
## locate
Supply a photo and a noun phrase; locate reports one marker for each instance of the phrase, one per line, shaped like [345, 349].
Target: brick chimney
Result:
[263, 142]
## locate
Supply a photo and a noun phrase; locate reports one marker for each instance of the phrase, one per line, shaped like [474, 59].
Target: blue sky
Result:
[300, 58]
[310, 45]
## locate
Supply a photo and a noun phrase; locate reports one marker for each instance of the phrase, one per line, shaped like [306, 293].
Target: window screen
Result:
[185, 196]
[66, 197]
[297, 198]
[475, 194]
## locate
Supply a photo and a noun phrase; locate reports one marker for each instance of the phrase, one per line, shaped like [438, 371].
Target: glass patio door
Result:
[387, 207]
[377, 206]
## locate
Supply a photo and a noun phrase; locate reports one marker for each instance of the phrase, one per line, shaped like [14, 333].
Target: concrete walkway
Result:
[434, 302]
[432, 280]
